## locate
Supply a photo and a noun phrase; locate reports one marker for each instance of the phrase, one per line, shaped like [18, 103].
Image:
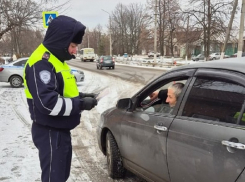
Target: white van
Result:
[87, 54]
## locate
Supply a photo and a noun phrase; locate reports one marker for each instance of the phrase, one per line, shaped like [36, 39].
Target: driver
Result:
[170, 97]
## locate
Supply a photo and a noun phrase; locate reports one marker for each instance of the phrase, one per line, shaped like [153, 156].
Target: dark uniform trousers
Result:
[55, 152]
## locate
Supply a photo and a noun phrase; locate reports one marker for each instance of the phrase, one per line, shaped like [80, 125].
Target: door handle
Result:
[161, 128]
[233, 145]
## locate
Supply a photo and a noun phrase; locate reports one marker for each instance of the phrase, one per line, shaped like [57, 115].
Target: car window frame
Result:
[159, 82]
[226, 75]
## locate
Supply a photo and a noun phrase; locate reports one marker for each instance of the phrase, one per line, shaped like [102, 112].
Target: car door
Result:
[206, 140]
[144, 132]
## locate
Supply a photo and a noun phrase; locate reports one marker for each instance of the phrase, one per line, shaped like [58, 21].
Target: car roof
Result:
[20, 59]
[232, 64]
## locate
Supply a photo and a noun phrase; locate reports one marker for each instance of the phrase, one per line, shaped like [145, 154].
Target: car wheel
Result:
[114, 159]
[214, 58]
[16, 81]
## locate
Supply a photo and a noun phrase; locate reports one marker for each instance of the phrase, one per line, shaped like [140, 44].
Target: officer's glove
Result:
[87, 103]
[83, 95]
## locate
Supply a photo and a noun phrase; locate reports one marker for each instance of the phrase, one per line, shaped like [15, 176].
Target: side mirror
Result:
[124, 103]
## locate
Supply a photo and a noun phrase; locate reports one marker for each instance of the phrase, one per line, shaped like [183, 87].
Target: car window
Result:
[107, 58]
[215, 100]
[160, 104]
[20, 63]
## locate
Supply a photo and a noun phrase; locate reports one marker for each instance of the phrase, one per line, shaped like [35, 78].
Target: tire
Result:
[113, 67]
[16, 81]
[114, 159]
[214, 58]
[97, 67]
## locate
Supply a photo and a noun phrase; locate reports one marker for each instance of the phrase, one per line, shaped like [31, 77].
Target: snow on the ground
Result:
[18, 156]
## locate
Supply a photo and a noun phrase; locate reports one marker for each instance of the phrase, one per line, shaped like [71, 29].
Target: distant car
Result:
[226, 56]
[235, 55]
[105, 61]
[198, 57]
[151, 54]
[13, 73]
[201, 139]
[214, 56]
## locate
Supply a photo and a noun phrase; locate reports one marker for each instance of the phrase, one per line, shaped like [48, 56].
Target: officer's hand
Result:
[87, 103]
[83, 95]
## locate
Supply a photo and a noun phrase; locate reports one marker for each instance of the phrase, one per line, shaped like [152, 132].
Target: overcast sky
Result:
[89, 12]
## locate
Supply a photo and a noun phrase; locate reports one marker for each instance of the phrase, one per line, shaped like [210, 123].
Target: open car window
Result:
[160, 103]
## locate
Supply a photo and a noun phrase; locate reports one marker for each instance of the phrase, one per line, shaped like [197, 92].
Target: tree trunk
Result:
[229, 29]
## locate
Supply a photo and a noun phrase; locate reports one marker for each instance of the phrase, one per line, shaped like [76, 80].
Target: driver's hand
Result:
[154, 95]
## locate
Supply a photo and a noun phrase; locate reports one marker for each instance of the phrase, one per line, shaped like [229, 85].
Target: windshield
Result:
[107, 58]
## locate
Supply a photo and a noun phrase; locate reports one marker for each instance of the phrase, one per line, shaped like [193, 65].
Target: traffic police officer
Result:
[55, 103]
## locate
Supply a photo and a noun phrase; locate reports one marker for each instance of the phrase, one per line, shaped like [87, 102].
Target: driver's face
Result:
[171, 99]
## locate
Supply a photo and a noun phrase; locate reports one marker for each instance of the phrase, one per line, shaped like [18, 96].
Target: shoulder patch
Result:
[45, 76]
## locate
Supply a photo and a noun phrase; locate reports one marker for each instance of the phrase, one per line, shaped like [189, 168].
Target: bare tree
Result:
[127, 25]
[229, 28]
[169, 17]
[18, 13]
[173, 17]
[19, 18]
[211, 16]
[97, 40]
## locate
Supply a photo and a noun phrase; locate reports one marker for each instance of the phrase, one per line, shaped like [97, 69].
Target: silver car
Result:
[79, 75]
[198, 57]
[200, 139]
[13, 73]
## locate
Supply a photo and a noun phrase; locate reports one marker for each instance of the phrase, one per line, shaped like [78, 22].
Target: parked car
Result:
[79, 75]
[235, 55]
[202, 139]
[214, 56]
[105, 61]
[151, 54]
[13, 73]
[226, 56]
[198, 57]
